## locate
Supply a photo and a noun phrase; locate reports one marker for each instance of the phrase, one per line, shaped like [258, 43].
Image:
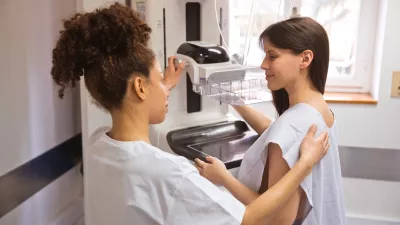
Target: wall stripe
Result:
[370, 163]
[24, 181]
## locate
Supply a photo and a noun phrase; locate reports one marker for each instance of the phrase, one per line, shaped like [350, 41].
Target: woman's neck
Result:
[129, 126]
[303, 92]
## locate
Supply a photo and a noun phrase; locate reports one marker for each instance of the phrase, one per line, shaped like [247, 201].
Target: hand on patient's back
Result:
[312, 149]
[172, 74]
[215, 170]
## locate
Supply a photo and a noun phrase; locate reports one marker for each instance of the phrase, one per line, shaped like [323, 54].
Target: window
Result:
[351, 26]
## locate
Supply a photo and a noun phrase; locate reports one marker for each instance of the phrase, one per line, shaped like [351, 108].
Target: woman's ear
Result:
[138, 87]
[307, 57]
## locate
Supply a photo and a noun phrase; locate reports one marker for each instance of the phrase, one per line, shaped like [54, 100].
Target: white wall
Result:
[33, 119]
[372, 126]
[375, 127]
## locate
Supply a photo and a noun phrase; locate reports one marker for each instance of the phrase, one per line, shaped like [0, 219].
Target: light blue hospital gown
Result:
[323, 186]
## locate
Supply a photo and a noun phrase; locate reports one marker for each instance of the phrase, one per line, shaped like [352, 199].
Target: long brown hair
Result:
[299, 34]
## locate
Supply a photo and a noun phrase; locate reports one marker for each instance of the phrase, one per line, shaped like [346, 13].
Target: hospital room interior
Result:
[45, 138]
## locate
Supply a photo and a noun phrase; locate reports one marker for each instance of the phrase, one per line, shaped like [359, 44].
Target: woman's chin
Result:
[158, 120]
[272, 87]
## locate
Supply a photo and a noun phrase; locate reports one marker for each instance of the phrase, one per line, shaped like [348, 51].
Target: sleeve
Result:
[198, 201]
[289, 139]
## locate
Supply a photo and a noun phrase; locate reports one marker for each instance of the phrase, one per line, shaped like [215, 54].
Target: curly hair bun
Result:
[104, 41]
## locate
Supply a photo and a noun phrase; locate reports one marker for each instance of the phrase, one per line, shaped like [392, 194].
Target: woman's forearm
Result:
[257, 120]
[239, 190]
[261, 210]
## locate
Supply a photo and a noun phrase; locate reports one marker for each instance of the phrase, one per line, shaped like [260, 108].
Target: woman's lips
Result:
[269, 76]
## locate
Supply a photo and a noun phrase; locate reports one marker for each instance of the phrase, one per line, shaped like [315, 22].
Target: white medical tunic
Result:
[136, 183]
[323, 186]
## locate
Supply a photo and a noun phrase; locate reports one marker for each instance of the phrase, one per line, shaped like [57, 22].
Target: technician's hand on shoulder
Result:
[215, 170]
[172, 74]
[312, 150]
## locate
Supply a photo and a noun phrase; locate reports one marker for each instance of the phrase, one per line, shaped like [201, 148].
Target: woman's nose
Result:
[265, 65]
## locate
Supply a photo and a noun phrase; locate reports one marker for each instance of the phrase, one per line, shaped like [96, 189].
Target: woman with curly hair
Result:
[129, 181]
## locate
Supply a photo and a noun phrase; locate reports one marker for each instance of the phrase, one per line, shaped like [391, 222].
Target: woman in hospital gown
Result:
[127, 180]
[296, 68]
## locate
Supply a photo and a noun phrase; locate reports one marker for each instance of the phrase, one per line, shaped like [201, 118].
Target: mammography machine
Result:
[198, 122]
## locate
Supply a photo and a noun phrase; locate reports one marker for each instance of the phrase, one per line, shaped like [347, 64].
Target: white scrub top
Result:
[323, 186]
[137, 183]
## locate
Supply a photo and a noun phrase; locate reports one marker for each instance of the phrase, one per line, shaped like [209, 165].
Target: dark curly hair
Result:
[107, 47]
